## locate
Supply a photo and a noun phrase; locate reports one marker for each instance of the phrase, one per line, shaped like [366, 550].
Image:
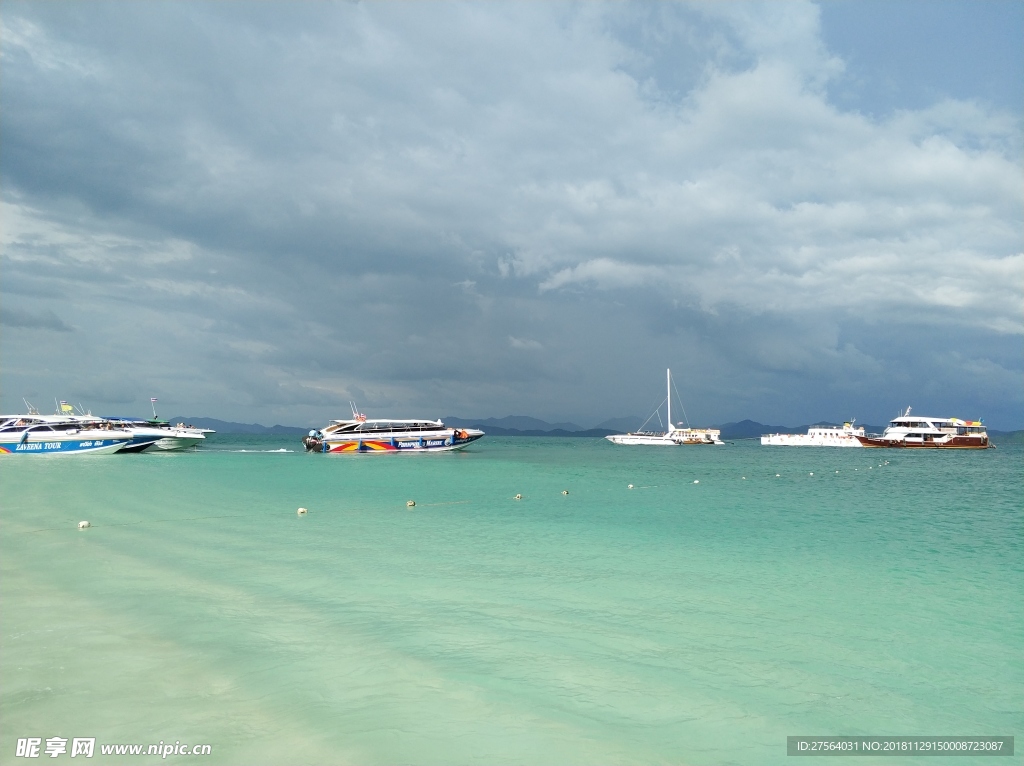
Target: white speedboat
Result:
[378, 435]
[918, 432]
[818, 436]
[674, 436]
[33, 435]
[161, 435]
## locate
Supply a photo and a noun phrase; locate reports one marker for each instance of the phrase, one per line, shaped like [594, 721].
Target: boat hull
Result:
[677, 438]
[642, 440]
[802, 440]
[955, 442]
[393, 446]
[177, 442]
[62, 446]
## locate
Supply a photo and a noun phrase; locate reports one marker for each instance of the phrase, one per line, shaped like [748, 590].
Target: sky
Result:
[258, 211]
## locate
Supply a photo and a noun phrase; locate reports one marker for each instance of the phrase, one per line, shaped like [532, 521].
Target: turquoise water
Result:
[673, 623]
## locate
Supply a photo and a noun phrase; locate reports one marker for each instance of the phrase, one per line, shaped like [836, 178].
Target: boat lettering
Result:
[28, 447]
[51, 445]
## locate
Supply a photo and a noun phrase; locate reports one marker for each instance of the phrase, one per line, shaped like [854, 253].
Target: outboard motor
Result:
[314, 442]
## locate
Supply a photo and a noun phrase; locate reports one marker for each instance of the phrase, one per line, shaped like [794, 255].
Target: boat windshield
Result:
[388, 426]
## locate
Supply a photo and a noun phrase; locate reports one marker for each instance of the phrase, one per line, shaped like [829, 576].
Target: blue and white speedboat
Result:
[33, 435]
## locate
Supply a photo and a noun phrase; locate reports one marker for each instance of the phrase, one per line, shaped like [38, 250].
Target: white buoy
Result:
[84, 525]
[696, 481]
[776, 476]
[565, 492]
[302, 511]
[410, 503]
[743, 477]
[519, 497]
[629, 486]
[812, 473]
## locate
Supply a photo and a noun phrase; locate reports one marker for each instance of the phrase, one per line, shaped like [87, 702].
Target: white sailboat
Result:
[674, 436]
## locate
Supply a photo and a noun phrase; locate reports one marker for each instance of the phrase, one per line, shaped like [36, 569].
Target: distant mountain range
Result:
[522, 425]
[228, 427]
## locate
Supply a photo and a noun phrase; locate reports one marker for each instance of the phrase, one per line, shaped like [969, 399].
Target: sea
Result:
[545, 601]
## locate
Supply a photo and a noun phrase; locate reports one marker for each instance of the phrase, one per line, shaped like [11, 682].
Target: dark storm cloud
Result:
[258, 211]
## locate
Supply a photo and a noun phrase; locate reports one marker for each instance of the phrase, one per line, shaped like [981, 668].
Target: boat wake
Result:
[250, 450]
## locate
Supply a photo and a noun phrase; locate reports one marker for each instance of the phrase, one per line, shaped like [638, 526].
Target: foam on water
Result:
[687, 623]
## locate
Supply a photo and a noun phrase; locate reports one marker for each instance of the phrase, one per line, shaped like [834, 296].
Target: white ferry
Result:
[818, 436]
[362, 435]
[674, 436]
[918, 432]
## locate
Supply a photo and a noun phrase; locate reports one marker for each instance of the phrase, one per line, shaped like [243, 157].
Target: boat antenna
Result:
[152, 403]
[31, 409]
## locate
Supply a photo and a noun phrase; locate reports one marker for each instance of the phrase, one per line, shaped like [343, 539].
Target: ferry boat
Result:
[379, 435]
[32, 435]
[917, 432]
[818, 436]
[674, 436]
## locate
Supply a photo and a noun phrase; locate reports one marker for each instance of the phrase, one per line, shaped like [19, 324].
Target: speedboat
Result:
[674, 436]
[33, 435]
[161, 435]
[818, 436]
[378, 435]
[918, 432]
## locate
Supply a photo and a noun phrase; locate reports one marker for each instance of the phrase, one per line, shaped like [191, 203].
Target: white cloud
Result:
[524, 344]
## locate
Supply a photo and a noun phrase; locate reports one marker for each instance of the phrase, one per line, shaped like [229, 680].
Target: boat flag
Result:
[65, 407]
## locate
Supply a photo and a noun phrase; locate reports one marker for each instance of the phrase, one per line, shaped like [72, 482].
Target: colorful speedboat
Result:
[363, 435]
[917, 432]
[31, 435]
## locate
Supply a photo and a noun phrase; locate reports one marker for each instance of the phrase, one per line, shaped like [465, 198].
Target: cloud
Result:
[524, 344]
[266, 208]
[42, 320]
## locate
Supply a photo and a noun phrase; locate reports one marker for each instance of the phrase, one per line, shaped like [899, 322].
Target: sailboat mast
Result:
[668, 392]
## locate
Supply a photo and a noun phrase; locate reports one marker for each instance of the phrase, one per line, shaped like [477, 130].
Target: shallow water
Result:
[670, 623]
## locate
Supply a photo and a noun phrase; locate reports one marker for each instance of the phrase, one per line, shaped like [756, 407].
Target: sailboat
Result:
[674, 436]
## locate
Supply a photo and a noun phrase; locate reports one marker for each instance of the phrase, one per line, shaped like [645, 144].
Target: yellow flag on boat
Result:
[65, 407]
